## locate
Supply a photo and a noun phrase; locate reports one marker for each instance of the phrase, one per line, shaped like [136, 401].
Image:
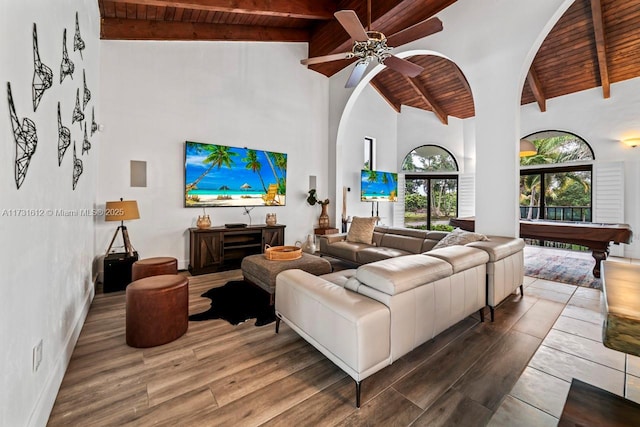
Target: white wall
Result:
[371, 117]
[46, 260]
[159, 94]
[418, 127]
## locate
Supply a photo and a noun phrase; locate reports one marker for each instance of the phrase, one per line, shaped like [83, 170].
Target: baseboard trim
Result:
[47, 398]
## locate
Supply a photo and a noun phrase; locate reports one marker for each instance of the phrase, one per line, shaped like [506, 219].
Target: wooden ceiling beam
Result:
[598, 29]
[386, 95]
[302, 9]
[138, 29]
[424, 95]
[536, 89]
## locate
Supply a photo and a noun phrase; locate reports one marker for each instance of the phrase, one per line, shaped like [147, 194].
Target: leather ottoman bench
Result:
[153, 267]
[157, 310]
[262, 272]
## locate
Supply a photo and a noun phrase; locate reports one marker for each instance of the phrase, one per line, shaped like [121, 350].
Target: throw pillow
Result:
[361, 230]
[460, 237]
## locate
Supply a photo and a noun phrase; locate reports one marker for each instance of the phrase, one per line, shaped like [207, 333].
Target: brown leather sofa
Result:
[387, 242]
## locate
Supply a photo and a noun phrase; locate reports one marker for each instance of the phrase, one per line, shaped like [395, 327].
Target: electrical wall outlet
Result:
[37, 356]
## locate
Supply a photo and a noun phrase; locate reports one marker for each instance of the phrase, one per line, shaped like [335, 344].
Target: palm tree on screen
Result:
[254, 165]
[219, 155]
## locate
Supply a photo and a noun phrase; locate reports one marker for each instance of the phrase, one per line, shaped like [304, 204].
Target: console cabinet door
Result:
[206, 251]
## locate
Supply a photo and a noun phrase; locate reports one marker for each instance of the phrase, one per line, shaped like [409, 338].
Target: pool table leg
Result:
[599, 256]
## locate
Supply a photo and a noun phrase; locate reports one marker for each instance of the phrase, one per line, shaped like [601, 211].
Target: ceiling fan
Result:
[371, 46]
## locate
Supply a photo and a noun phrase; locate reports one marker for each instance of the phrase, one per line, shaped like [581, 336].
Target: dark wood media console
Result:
[222, 248]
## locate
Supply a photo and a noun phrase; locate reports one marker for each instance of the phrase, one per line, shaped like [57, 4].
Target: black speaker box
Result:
[117, 271]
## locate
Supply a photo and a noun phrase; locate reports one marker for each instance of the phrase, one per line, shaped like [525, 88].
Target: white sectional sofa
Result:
[366, 318]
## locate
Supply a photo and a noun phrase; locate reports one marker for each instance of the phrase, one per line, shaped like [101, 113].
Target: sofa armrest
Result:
[499, 247]
[332, 238]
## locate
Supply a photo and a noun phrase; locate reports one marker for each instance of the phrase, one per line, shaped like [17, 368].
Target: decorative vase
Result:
[203, 221]
[323, 221]
[309, 246]
[271, 219]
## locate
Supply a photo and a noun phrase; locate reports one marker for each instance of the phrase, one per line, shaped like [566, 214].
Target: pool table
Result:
[595, 236]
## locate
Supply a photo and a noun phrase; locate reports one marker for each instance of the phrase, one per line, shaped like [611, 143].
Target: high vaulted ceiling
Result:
[594, 44]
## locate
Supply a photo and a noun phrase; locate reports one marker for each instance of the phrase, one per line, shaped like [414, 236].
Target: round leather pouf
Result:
[157, 310]
[153, 267]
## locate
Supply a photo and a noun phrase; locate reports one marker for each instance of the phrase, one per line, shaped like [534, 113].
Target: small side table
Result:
[117, 271]
[324, 231]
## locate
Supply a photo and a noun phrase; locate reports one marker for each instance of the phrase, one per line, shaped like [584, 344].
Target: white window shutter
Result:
[466, 195]
[608, 196]
[398, 207]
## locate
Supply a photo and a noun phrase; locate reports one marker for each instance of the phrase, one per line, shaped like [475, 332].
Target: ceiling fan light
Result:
[527, 148]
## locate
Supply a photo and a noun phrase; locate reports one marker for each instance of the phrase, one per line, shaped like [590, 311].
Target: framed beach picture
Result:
[221, 175]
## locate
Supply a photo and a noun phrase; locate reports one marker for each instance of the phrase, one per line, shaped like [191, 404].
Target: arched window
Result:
[555, 183]
[557, 147]
[429, 158]
[431, 188]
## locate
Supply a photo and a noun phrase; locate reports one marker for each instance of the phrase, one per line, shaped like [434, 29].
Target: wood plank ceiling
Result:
[595, 43]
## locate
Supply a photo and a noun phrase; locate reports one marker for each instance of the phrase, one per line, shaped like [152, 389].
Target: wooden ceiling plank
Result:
[598, 29]
[386, 95]
[316, 9]
[135, 29]
[422, 92]
[461, 77]
[536, 89]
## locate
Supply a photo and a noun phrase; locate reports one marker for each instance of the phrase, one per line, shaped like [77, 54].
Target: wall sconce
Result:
[527, 148]
[631, 142]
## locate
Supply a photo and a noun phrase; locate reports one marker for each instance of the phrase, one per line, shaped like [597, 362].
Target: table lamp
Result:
[121, 210]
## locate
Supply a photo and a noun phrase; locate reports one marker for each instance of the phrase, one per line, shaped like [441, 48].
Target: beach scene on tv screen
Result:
[378, 186]
[220, 175]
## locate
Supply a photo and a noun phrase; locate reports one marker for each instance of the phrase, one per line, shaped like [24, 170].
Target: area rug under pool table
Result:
[561, 266]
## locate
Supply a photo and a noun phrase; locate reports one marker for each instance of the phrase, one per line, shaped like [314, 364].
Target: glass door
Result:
[430, 202]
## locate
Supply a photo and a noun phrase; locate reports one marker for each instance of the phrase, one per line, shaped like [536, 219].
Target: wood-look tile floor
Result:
[514, 371]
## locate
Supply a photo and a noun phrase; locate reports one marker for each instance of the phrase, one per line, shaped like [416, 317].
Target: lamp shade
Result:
[631, 142]
[527, 148]
[121, 210]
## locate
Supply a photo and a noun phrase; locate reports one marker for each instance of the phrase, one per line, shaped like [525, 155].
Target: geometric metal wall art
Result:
[87, 93]
[86, 144]
[42, 75]
[77, 167]
[64, 137]
[78, 43]
[77, 112]
[26, 140]
[66, 66]
[94, 125]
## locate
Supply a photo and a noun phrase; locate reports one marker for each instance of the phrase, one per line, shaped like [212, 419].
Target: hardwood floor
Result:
[219, 374]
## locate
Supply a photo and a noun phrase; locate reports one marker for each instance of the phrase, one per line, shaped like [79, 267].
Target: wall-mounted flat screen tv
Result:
[378, 186]
[219, 175]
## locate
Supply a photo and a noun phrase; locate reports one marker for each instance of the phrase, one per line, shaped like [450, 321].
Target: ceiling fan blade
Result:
[415, 32]
[349, 20]
[403, 66]
[356, 74]
[326, 58]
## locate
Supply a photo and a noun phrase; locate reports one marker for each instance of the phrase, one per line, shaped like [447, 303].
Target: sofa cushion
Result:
[345, 250]
[459, 237]
[499, 247]
[409, 244]
[374, 254]
[361, 230]
[341, 277]
[395, 275]
[460, 257]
